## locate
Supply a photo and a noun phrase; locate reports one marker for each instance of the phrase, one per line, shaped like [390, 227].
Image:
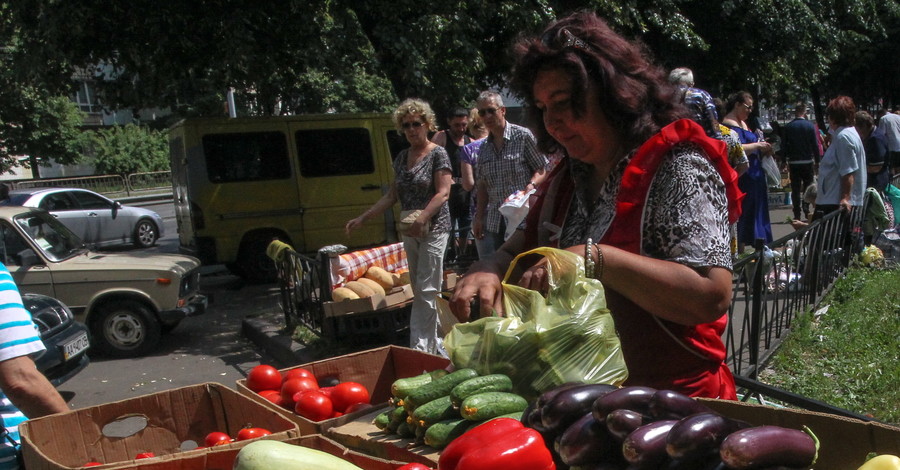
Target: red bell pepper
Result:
[414, 466]
[502, 443]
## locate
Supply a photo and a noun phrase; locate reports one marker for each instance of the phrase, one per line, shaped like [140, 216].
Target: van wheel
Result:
[145, 234]
[252, 262]
[124, 328]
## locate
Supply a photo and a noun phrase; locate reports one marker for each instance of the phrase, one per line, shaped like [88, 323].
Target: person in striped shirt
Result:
[26, 393]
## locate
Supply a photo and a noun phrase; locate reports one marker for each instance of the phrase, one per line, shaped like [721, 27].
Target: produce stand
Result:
[306, 285]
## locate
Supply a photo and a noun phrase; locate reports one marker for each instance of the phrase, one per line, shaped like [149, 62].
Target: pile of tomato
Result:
[298, 390]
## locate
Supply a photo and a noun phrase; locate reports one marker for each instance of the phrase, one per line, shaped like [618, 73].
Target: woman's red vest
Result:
[658, 353]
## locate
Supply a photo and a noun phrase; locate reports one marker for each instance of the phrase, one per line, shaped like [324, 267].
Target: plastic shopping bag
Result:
[545, 342]
[773, 174]
[515, 208]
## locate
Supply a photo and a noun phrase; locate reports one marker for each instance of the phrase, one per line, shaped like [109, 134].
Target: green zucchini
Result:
[266, 454]
[439, 434]
[482, 406]
[383, 419]
[434, 411]
[402, 387]
[438, 388]
[484, 383]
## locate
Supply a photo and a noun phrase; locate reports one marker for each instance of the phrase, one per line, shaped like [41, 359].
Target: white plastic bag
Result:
[773, 174]
[514, 209]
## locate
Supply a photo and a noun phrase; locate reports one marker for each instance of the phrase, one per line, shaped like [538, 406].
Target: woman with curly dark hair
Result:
[645, 196]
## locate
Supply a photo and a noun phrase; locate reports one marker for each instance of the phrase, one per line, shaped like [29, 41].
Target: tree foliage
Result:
[121, 150]
[299, 56]
[33, 122]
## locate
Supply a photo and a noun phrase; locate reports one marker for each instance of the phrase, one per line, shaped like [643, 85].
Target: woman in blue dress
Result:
[754, 221]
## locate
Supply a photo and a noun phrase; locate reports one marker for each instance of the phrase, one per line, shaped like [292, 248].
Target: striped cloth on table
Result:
[352, 266]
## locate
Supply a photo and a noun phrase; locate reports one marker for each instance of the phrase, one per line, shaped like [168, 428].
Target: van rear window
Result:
[334, 152]
[247, 156]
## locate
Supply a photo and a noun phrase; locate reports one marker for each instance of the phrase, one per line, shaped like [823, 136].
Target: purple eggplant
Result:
[669, 404]
[571, 404]
[547, 396]
[697, 435]
[629, 398]
[585, 441]
[645, 448]
[621, 423]
[769, 446]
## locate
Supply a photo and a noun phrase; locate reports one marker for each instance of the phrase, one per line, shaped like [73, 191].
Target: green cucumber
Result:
[439, 434]
[383, 419]
[398, 415]
[515, 415]
[402, 387]
[438, 388]
[434, 411]
[484, 383]
[482, 406]
[403, 430]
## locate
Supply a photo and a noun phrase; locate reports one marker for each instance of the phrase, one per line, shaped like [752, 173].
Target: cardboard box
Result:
[844, 441]
[223, 459]
[396, 296]
[162, 423]
[376, 369]
[362, 436]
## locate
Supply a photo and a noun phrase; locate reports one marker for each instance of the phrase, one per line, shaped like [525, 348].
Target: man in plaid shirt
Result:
[508, 161]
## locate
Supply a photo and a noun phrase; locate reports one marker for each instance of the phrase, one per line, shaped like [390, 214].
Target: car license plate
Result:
[72, 348]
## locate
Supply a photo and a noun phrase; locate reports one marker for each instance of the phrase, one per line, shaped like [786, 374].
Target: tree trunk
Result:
[35, 167]
[817, 106]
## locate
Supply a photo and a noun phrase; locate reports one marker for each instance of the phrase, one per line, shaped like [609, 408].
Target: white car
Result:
[96, 219]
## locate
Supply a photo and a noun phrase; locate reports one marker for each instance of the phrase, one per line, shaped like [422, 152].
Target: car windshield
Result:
[54, 239]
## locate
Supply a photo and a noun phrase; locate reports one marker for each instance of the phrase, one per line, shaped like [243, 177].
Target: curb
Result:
[274, 340]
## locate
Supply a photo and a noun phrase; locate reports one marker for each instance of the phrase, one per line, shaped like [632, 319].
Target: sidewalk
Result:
[266, 327]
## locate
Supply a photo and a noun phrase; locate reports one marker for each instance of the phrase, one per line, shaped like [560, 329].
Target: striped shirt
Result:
[507, 169]
[18, 337]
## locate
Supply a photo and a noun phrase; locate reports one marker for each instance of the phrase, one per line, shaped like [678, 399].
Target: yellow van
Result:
[239, 183]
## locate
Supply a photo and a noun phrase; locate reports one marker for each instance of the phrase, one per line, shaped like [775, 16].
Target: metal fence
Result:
[112, 186]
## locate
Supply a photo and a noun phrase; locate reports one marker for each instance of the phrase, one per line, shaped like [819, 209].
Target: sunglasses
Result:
[749, 108]
[409, 125]
[485, 111]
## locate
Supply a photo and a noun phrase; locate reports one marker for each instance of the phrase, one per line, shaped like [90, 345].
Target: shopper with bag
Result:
[422, 185]
[645, 197]
[754, 222]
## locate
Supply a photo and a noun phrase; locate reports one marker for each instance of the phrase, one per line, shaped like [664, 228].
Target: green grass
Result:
[848, 356]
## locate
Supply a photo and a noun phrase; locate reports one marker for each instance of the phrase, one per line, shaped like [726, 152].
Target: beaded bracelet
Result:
[588, 259]
[598, 270]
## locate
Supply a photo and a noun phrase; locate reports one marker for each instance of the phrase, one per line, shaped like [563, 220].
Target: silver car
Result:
[96, 219]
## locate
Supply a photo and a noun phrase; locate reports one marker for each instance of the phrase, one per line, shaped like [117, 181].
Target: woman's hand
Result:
[482, 281]
[353, 224]
[536, 277]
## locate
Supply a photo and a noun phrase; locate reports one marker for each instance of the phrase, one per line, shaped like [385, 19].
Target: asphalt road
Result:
[205, 348]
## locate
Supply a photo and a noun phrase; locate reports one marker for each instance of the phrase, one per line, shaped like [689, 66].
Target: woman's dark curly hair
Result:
[634, 93]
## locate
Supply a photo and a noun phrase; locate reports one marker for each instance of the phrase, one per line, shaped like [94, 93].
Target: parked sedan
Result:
[96, 219]
[66, 340]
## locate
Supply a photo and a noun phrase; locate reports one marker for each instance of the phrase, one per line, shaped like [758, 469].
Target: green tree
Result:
[128, 149]
[34, 123]
[363, 55]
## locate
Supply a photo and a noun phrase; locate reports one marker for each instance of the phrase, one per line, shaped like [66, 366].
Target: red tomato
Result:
[92, 464]
[298, 373]
[348, 393]
[263, 377]
[252, 433]
[337, 414]
[327, 391]
[145, 455]
[293, 386]
[273, 396]
[314, 406]
[414, 466]
[217, 438]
